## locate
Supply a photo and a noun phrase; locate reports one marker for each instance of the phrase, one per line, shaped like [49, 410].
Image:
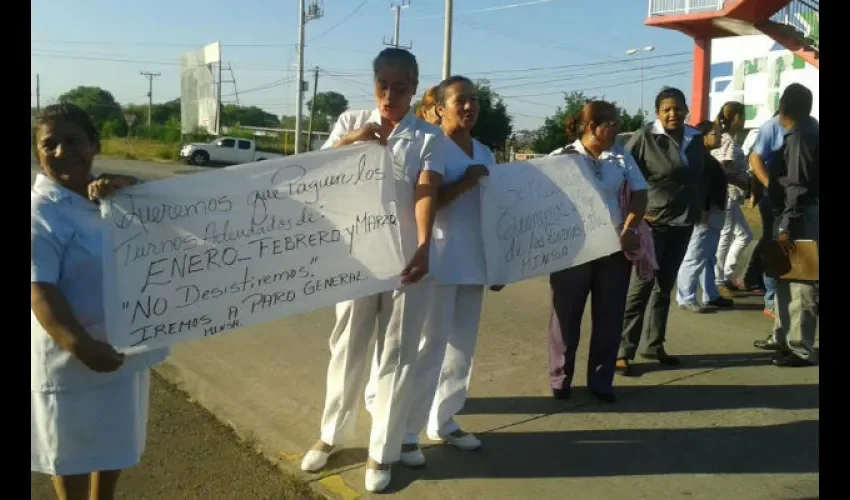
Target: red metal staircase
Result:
[791, 23]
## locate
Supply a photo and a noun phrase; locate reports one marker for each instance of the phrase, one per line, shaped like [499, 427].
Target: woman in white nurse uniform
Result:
[445, 355]
[417, 150]
[88, 403]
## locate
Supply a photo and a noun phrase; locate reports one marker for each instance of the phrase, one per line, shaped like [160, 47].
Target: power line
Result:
[581, 65]
[86, 58]
[189, 46]
[94, 57]
[341, 22]
[549, 44]
[619, 84]
[266, 86]
[352, 72]
[538, 68]
[588, 75]
[486, 9]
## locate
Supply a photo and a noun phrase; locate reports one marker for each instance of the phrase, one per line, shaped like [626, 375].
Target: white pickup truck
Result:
[225, 151]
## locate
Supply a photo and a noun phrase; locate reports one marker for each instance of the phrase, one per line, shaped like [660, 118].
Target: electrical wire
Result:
[341, 22]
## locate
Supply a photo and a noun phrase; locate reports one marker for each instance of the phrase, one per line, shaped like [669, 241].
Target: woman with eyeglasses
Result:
[618, 178]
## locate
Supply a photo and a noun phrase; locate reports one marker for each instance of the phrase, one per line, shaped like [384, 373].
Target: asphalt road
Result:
[145, 170]
[190, 454]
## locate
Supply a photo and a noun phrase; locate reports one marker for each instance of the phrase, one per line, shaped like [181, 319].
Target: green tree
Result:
[166, 112]
[98, 103]
[552, 134]
[328, 105]
[250, 116]
[494, 125]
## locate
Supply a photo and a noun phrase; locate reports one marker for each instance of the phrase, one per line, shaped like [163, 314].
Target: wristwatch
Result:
[631, 229]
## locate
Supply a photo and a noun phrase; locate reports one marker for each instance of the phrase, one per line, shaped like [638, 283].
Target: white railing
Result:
[683, 7]
[804, 15]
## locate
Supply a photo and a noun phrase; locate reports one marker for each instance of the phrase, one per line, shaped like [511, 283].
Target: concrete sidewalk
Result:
[727, 424]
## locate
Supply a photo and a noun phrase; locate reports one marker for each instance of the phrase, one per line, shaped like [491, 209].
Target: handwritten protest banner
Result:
[194, 256]
[541, 216]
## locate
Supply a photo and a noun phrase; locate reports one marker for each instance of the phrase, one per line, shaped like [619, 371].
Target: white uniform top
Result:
[66, 249]
[610, 169]
[415, 145]
[457, 229]
[750, 141]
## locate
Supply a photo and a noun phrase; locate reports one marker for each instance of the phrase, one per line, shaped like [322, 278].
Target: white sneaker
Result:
[315, 460]
[467, 442]
[377, 480]
[413, 458]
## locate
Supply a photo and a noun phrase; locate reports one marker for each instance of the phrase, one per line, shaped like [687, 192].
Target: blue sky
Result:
[530, 53]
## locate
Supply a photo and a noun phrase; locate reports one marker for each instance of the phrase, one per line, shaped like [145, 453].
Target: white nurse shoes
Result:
[377, 480]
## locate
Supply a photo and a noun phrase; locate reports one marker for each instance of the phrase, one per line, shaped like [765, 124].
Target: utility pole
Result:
[305, 14]
[37, 93]
[150, 76]
[447, 41]
[313, 109]
[397, 14]
[220, 110]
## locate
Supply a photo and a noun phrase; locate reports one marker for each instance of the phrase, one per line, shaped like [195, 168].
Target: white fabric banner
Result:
[194, 256]
[541, 216]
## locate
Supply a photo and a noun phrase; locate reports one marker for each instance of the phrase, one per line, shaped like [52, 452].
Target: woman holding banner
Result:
[88, 403]
[623, 189]
[451, 328]
[417, 149]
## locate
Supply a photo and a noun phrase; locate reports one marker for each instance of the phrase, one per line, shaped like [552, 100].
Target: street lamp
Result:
[639, 52]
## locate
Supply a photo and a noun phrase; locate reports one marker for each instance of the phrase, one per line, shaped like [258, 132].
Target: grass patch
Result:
[140, 149]
[162, 151]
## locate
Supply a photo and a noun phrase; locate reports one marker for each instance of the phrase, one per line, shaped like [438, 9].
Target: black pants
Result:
[652, 297]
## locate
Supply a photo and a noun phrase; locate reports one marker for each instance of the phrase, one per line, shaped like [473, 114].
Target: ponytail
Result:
[593, 112]
[574, 127]
[727, 115]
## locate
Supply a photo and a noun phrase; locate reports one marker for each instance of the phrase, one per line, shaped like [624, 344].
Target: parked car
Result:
[225, 151]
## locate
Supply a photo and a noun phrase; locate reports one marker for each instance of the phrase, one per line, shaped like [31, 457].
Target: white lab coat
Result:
[444, 363]
[415, 146]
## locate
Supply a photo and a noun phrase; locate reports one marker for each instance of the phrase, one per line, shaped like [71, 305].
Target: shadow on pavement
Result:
[739, 306]
[775, 449]
[658, 399]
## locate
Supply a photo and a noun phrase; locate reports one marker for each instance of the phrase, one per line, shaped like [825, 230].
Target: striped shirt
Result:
[730, 151]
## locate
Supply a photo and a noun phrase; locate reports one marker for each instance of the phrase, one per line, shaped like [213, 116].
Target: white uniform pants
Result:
[734, 238]
[444, 364]
[400, 315]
